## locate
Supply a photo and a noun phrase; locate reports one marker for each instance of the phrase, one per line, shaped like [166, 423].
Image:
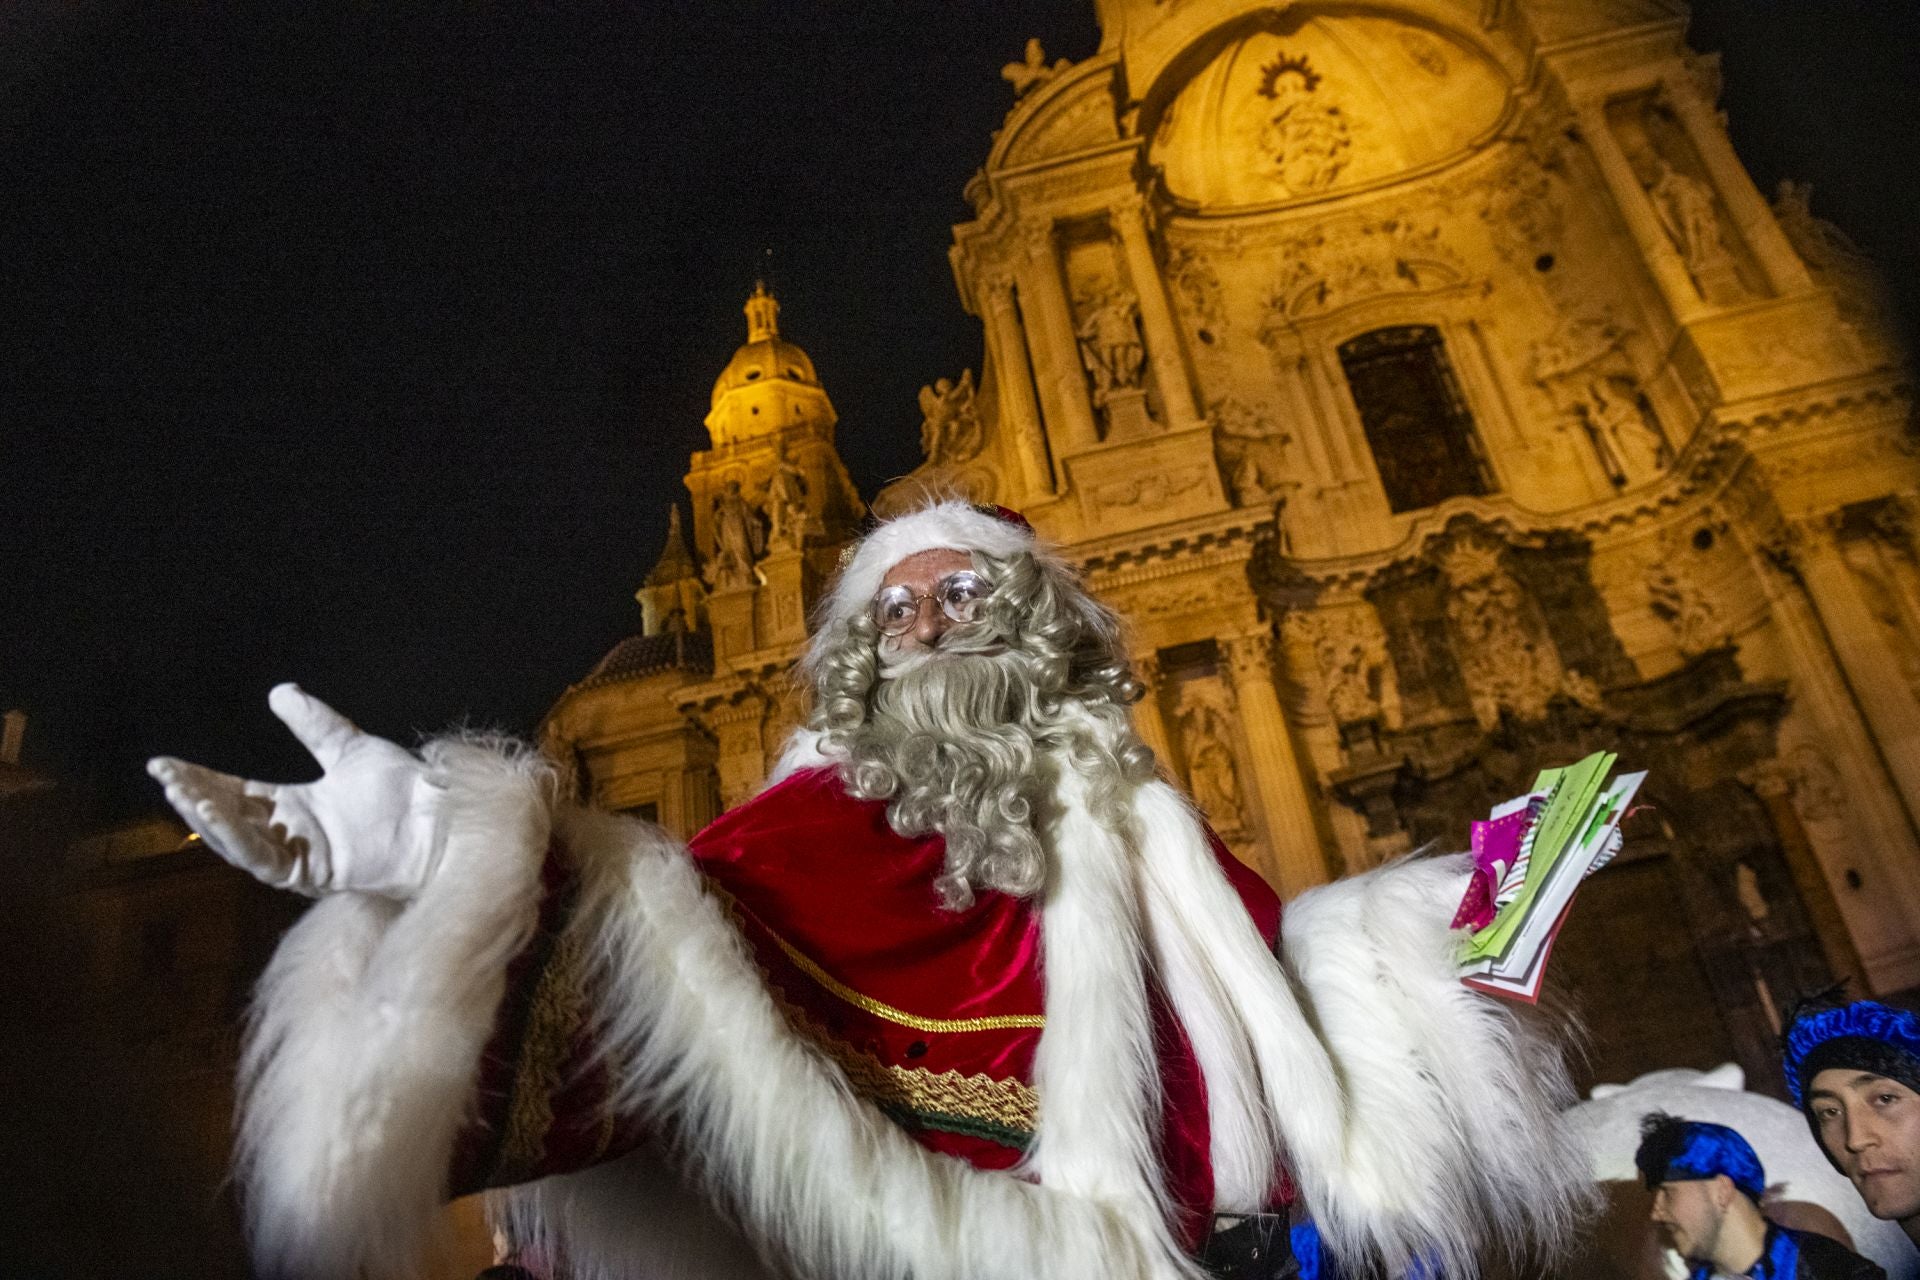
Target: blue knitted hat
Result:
[1676, 1150]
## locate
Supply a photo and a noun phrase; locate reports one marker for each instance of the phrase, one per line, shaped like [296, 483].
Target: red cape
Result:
[934, 1014]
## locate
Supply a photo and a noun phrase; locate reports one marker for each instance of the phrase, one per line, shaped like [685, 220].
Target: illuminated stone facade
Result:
[1436, 395]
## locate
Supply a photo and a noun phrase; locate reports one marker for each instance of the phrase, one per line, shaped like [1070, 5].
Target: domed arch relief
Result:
[1295, 105]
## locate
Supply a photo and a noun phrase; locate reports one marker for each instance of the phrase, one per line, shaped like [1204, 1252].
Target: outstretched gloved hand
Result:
[368, 825]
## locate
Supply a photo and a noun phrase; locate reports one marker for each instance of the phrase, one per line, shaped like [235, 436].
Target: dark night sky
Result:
[367, 349]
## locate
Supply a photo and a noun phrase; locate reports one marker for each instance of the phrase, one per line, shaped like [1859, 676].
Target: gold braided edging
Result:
[1005, 1111]
[555, 1011]
[879, 1008]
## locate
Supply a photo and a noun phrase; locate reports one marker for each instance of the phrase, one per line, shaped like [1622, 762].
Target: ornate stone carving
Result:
[1188, 593]
[950, 429]
[1522, 211]
[789, 513]
[1252, 453]
[1083, 117]
[1213, 773]
[1344, 263]
[1677, 598]
[1500, 640]
[1308, 137]
[1152, 490]
[1197, 286]
[1109, 336]
[1356, 673]
[1583, 368]
[737, 540]
[1249, 659]
[1032, 70]
[1689, 213]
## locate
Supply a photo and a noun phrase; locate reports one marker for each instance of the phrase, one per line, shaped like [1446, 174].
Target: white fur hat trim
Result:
[952, 524]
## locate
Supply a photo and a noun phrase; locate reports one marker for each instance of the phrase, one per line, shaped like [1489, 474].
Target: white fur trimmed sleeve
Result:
[1454, 1137]
[368, 1027]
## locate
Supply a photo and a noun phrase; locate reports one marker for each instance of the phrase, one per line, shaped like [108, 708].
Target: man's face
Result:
[1870, 1125]
[919, 573]
[1689, 1214]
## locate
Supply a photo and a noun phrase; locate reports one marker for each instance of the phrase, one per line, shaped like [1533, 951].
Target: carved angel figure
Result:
[950, 429]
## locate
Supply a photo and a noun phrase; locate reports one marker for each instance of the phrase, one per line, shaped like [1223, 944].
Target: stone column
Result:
[1128, 219]
[1871, 668]
[1885, 919]
[1296, 861]
[1053, 346]
[1149, 720]
[1784, 270]
[1019, 412]
[1668, 267]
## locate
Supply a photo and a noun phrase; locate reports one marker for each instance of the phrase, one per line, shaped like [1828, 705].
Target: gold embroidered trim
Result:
[1005, 1104]
[879, 1008]
[556, 1009]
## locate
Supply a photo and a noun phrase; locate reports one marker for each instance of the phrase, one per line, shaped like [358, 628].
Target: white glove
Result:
[368, 825]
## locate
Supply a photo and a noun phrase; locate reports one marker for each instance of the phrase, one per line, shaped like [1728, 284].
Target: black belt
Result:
[1256, 1246]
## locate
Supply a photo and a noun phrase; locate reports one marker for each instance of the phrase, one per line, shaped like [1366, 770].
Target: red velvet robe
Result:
[934, 1014]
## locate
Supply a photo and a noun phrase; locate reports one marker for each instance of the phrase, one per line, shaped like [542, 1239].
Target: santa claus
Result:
[968, 992]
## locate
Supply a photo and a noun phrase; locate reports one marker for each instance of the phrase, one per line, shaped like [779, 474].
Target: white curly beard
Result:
[957, 744]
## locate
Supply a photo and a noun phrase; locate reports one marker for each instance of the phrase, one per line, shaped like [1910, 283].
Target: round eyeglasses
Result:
[959, 596]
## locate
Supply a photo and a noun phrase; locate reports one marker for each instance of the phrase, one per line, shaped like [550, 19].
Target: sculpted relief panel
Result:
[1582, 368]
[1283, 115]
[1207, 735]
[1340, 263]
[1505, 651]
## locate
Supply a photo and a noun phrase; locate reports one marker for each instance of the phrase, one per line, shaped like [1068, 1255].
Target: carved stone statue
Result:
[788, 512]
[1252, 455]
[1110, 345]
[1310, 142]
[1687, 212]
[1581, 365]
[950, 429]
[1032, 70]
[737, 540]
[1629, 447]
[1212, 775]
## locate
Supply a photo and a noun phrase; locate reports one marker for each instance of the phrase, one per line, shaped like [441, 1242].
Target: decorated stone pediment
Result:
[1070, 113]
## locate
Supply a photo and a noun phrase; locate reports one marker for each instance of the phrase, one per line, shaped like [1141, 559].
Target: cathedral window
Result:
[1417, 422]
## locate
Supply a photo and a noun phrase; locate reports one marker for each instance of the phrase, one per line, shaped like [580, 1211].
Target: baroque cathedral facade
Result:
[1438, 399]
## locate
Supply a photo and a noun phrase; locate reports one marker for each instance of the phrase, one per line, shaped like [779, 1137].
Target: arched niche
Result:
[1296, 104]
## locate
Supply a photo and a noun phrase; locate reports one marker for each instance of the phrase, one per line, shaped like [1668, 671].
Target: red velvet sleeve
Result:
[542, 1103]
